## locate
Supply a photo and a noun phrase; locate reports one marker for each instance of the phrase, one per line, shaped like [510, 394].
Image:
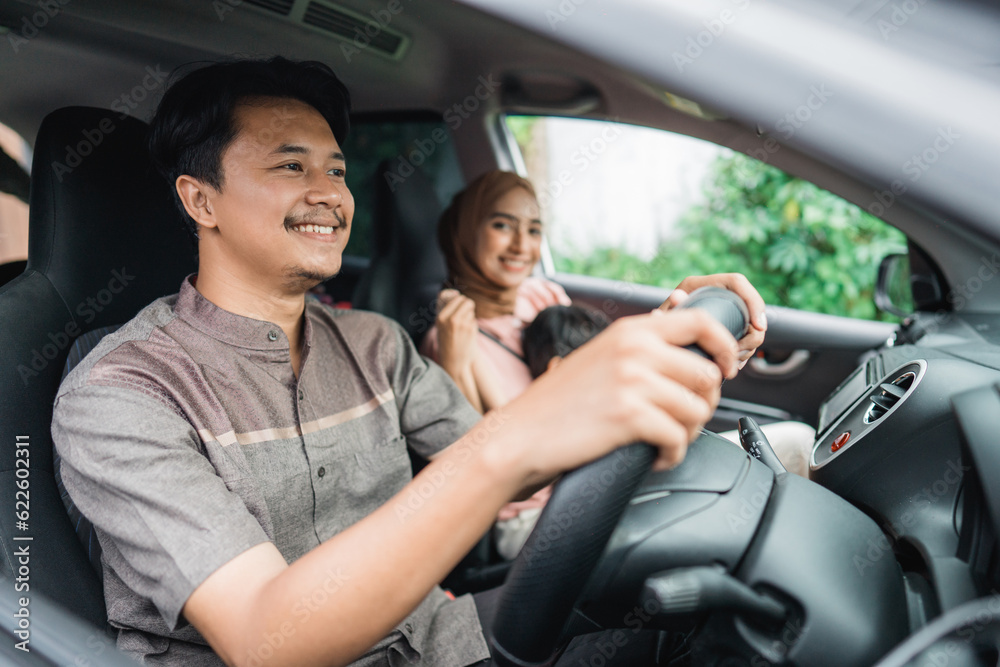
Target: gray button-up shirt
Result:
[186, 439]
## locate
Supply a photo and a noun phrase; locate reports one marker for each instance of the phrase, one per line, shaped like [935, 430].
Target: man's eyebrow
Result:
[296, 149]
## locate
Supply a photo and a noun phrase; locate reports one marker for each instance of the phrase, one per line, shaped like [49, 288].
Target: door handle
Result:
[795, 361]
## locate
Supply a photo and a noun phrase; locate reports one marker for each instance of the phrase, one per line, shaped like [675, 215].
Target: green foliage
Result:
[799, 245]
[522, 127]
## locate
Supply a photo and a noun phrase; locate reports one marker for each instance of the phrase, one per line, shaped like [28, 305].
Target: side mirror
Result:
[893, 293]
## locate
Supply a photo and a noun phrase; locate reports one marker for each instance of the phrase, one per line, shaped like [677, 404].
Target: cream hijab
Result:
[457, 234]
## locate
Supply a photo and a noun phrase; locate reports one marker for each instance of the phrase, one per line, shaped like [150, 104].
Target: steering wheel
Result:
[553, 567]
[551, 570]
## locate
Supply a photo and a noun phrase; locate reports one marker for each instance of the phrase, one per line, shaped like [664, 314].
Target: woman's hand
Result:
[456, 336]
[457, 329]
[542, 293]
[734, 282]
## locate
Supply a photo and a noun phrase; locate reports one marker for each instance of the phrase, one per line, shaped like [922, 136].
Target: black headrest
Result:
[406, 213]
[407, 267]
[103, 227]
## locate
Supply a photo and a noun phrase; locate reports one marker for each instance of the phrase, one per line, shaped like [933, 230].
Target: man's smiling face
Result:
[283, 215]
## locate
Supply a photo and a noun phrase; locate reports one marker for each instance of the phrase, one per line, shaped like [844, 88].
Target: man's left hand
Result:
[734, 282]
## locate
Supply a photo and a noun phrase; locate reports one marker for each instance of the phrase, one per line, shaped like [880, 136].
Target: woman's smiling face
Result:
[509, 243]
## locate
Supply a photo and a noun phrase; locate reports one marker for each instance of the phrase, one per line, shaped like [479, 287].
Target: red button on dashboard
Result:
[840, 441]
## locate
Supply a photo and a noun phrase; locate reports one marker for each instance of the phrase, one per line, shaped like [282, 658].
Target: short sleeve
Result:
[433, 413]
[136, 470]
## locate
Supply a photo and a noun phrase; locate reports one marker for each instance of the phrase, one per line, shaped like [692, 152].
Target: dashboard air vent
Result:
[282, 7]
[888, 394]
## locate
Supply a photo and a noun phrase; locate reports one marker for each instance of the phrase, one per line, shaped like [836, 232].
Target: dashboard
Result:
[896, 532]
[894, 440]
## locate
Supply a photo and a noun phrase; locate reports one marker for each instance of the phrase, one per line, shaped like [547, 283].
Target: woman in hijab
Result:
[491, 236]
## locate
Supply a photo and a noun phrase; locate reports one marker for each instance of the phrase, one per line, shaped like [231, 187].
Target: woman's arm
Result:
[469, 386]
[488, 385]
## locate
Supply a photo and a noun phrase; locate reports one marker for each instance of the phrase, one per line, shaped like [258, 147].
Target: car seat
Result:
[407, 266]
[11, 270]
[105, 239]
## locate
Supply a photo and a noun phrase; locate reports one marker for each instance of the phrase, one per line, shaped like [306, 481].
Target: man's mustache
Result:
[292, 220]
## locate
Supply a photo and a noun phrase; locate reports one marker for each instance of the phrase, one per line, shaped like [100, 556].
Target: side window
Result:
[648, 206]
[404, 144]
[15, 157]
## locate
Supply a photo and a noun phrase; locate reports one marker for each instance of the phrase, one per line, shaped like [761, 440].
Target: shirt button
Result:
[408, 627]
[302, 394]
[321, 471]
[272, 335]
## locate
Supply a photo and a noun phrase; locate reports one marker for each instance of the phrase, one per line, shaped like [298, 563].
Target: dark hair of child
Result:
[557, 331]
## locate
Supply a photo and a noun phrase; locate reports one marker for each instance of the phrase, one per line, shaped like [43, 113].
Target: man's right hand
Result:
[634, 381]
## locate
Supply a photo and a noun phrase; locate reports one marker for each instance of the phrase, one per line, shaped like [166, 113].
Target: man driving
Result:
[241, 449]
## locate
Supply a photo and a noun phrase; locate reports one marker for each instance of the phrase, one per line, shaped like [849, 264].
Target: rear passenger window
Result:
[403, 144]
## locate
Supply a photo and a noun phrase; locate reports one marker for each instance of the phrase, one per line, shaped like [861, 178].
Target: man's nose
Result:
[322, 189]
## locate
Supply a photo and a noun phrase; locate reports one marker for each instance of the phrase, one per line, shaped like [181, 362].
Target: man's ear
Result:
[197, 199]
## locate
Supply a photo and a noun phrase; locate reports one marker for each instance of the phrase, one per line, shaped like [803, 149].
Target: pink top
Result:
[534, 295]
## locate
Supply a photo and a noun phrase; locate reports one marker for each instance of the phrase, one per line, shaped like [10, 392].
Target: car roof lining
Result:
[121, 39]
[115, 38]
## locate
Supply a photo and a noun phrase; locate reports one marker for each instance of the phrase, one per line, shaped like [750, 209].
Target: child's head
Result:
[557, 331]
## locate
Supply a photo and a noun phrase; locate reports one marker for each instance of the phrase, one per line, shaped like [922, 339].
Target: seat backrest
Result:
[11, 270]
[104, 240]
[407, 266]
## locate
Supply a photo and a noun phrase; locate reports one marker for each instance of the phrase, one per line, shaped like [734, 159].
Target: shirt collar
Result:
[236, 330]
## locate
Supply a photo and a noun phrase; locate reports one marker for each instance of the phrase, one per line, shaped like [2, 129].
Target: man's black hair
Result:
[557, 331]
[194, 123]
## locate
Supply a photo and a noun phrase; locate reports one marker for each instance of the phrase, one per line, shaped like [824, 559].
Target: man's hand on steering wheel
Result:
[633, 382]
[735, 282]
